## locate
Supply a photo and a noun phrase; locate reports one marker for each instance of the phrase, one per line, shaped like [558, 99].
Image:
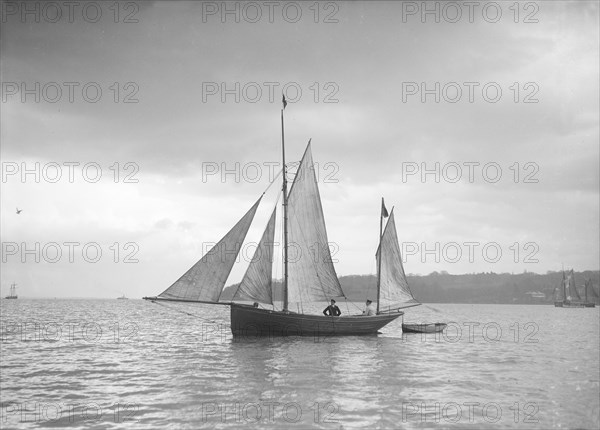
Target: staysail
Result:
[256, 284]
[394, 290]
[311, 275]
[204, 281]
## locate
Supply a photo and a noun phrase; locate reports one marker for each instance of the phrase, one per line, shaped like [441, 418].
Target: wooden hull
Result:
[423, 328]
[570, 305]
[10, 297]
[252, 322]
[589, 305]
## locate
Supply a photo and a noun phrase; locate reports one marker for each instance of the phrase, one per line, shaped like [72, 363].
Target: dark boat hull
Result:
[570, 305]
[255, 322]
[423, 328]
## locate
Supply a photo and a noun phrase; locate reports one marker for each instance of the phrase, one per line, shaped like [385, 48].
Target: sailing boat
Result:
[13, 293]
[305, 278]
[588, 286]
[568, 288]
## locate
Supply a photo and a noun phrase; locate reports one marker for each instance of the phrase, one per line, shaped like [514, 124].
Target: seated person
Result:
[370, 310]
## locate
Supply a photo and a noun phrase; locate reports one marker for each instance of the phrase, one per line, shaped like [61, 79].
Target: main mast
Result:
[285, 199]
[564, 285]
[379, 255]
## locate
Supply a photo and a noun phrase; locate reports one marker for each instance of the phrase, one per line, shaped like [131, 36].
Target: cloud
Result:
[204, 144]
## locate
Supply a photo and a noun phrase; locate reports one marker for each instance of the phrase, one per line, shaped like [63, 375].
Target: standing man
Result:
[332, 310]
[370, 310]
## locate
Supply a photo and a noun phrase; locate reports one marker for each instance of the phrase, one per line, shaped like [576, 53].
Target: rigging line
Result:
[433, 309]
[240, 284]
[347, 308]
[184, 312]
[354, 304]
[273, 181]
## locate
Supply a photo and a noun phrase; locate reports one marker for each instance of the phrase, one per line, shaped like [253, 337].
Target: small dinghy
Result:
[423, 328]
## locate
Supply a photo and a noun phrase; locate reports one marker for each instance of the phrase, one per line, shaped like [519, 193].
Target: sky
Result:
[136, 134]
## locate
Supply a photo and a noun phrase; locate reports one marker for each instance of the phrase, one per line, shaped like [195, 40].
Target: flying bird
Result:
[19, 211]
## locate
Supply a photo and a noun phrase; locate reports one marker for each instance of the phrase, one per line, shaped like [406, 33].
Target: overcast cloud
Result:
[371, 136]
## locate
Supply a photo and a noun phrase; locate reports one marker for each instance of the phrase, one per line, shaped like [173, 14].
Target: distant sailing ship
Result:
[122, 297]
[13, 293]
[589, 287]
[568, 297]
[306, 278]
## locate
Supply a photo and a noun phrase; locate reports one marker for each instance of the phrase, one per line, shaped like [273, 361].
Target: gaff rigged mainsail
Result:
[257, 283]
[395, 292]
[205, 280]
[311, 275]
[574, 286]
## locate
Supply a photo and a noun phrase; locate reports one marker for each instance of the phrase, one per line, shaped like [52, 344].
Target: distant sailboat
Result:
[569, 291]
[13, 293]
[589, 287]
[307, 278]
[122, 297]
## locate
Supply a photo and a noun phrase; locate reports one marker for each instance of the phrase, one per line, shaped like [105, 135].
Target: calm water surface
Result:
[134, 364]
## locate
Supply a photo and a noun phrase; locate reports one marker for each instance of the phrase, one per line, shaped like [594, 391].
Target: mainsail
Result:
[394, 290]
[311, 275]
[574, 287]
[256, 284]
[204, 281]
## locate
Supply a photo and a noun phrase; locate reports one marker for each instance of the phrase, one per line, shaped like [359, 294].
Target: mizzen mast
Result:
[383, 212]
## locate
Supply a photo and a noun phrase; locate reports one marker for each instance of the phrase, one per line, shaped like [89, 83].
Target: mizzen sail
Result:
[257, 282]
[311, 275]
[204, 281]
[395, 292]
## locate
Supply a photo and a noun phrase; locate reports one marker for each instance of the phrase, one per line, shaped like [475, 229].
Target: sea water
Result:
[136, 364]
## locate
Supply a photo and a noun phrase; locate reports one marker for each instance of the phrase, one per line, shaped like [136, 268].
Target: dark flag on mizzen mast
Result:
[384, 212]
[284, 102]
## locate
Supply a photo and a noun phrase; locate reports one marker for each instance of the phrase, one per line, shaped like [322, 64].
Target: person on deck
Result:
[370, 310]
[332, 310]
